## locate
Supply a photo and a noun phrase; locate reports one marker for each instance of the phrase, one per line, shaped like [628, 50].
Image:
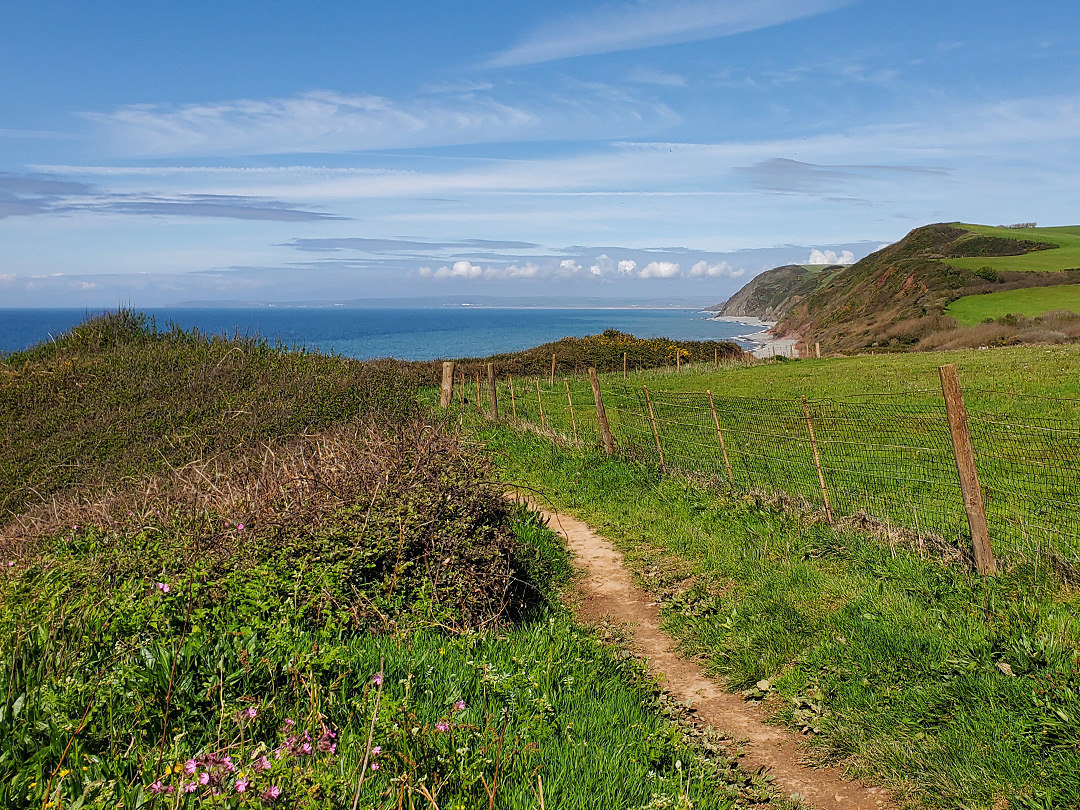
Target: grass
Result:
[889, 455]
[105, 708]
[241, 577]
[1031, 302]
[1066, 256]
[952, 689]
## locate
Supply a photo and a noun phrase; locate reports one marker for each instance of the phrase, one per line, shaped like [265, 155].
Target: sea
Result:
[406, 334]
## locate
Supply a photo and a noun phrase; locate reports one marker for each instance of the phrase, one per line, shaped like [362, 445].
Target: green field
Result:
[1031, 302]
[1066, 256]
[881, 430]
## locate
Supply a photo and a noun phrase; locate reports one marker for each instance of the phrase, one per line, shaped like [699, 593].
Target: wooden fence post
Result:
[601, 413]
[817, 462]
[624, 365]
[817, 350]
[492, 395]
[513, 402]
[716, 359]
[720, 436]
[678, 359]
[553, 369]
[570, 402]
[965, 468]
[540, 405]
[446, 392]
[655, 430]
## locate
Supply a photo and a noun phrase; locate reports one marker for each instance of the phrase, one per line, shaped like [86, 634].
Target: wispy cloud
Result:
[793, 176]
[40, 194]
[326, 121]
[653, 22]
[367, 245]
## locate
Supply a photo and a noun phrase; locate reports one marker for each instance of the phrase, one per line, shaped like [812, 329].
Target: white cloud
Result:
[653, 22]
[721, 270]
[460, 269]
[831, 257]
[569, 267]
[603, 265]
[659, 270]
[627, 266]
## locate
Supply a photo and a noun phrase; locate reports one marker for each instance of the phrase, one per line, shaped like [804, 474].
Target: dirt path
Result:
[609, 591]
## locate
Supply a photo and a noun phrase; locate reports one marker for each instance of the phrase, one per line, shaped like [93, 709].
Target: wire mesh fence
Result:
[888, 456]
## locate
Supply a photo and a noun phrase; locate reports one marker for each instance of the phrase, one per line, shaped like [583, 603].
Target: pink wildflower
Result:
[241, 784]
[163, 587]
[263, 764]
[305, 748]
[240, 526]
[228, 763]
[204, 778]
[442, 726]
[191, 787]
[271, 793]
[376, 750]
[251, 712]
[459, 706]
[377, 679]
[157, 787]
[190, 767]
[374, 766]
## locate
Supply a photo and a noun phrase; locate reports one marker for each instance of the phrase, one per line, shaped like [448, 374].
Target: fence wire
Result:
[888, 456]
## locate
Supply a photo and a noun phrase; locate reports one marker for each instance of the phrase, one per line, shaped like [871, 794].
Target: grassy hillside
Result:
[896, 298]
[772, 293]
[1030, 302]
[239, 577]
[1063, 252]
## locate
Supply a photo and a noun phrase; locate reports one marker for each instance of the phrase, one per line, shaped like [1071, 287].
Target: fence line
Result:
[890, 456]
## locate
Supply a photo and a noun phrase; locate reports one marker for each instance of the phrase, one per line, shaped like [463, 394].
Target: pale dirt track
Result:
[608, 591]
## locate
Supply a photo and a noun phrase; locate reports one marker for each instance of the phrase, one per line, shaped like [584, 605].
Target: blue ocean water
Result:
[407, 334]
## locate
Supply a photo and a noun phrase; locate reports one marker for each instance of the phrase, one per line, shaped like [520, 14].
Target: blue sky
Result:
[157, 153]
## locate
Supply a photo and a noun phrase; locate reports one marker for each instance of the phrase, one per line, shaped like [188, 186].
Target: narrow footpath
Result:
[609, 592]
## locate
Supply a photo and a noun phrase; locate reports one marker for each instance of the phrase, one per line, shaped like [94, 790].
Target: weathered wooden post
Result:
[817, 462]
[446, 392]
[965, 468]
[601, 413]
[553, 369]
[817, 350]
[540, 405]
[570, 404]
[655, 429]
[678, 359]
[492, 395]
[624, 365]
[716, 359]
[720, 436]
[513, 402]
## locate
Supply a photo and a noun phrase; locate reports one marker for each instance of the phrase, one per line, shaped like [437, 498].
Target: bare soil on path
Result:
[608, 591]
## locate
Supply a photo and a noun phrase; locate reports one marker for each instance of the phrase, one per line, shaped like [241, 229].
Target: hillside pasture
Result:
[1066, 256]
[1031, 302]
